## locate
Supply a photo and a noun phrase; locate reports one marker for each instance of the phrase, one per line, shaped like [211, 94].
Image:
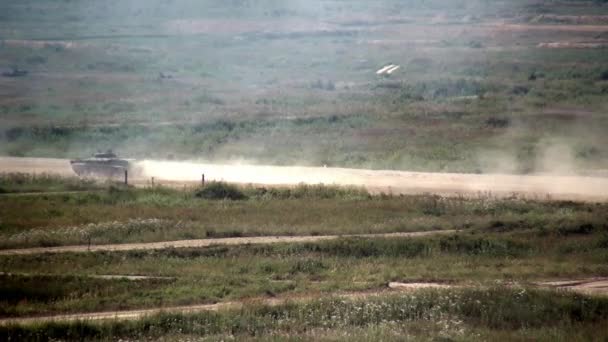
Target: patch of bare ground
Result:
[590, 286]
[546, 27]
[566, 113]
[574, 45]
[418, 285]
[94, 276]
[570, 19]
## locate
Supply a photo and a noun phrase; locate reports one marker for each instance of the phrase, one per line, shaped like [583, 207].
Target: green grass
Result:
[505, 240]
[121, 215]
[468, 98]
[448, 314]
[223, 273]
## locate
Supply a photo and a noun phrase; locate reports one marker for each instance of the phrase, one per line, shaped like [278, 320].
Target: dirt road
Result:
[579, 188]
[206, 243]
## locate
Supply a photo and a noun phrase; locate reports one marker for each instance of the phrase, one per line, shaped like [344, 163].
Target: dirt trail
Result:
[577, 188]
[122, 315]
[392, 287]
[206, 243]
[588, 286]
[546, 27]
[591, 286]
[138, 314]
[91, 276]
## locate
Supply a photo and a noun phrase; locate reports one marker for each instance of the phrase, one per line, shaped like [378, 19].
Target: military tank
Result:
[106, 164]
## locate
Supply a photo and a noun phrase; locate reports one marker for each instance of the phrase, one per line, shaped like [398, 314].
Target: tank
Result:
[105, 164]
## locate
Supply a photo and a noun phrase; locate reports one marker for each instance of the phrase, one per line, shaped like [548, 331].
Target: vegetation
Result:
[464, 100]
[505, 241]
[220, 190]
[21, 182]
[223, 273]
[120, 215]
[479, 90]
[440, 314]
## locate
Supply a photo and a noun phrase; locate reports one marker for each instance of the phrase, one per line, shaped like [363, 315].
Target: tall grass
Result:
[496, 309]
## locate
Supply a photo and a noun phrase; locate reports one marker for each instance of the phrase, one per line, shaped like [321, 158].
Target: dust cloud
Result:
[558, 187]
[388, 181]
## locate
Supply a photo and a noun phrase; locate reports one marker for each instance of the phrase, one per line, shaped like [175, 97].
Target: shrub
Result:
[496, 122]
[220, 190]
[520, 90]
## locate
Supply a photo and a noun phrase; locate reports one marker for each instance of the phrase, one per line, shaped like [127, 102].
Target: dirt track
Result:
[581, 188]
[137, 314]
[588, 286]
[205, 243]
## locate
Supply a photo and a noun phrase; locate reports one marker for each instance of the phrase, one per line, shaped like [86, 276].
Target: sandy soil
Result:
[574, 45]
[591, 286]
[205, 243]
[570, 19]
[547, 27]
[93, 276]
[577, 188]
[588, 286]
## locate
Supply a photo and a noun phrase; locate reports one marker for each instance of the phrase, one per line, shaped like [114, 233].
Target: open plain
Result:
[374, 170]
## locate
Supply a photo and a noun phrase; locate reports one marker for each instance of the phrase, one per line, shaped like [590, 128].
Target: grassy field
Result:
[209, 275]
[484, 86]
[503, 242]
[454, 315]
[471, 96]
[119, 215]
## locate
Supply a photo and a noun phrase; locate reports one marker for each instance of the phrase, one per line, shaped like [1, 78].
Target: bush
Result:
[220, 190]
[497, 122]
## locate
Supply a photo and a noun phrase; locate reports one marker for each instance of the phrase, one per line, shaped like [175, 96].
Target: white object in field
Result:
[392, 70]
[384, 69]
